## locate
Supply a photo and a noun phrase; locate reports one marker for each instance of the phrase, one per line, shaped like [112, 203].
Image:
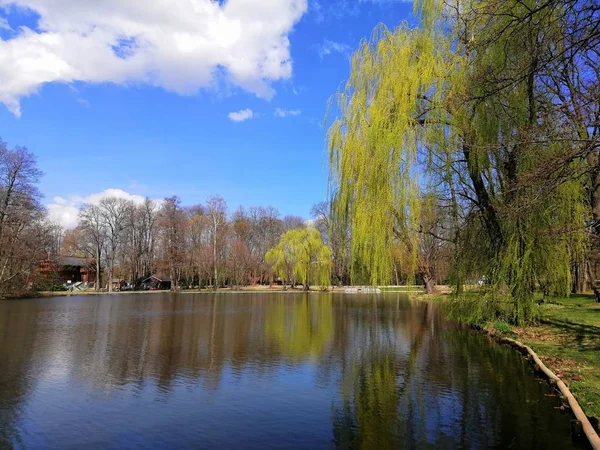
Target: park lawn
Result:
[568, 341]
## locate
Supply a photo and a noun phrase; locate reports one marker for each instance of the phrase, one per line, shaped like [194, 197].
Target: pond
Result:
[262, 371]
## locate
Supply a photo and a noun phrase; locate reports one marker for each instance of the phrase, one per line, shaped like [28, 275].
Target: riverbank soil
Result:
[568, 342]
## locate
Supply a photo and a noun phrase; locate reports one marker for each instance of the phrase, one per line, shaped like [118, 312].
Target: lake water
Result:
[262, 371]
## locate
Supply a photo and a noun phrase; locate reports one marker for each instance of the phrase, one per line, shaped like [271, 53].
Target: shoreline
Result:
[583, 423]
[561, 347]
[244, 290]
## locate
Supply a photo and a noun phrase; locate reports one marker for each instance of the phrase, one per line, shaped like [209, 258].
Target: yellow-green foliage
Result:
[542, 220]
[373, 143]
[301, 256]
[454, 91]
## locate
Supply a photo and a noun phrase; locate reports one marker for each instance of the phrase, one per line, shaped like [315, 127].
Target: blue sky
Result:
[164, 128]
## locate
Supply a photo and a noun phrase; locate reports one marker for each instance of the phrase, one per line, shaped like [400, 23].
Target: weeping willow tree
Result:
[461, 101]
[373, 143]
[301, 256]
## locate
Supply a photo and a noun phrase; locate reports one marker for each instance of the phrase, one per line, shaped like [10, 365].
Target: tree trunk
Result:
[98, 269]
[3, 212]
[429, 282]
[215, 256]
[110, 275]
[594, 162]
[575, 278]
[307, 280]
[490, 218]
[174, 285]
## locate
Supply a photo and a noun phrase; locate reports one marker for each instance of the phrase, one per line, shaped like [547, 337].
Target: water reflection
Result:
[306, 371]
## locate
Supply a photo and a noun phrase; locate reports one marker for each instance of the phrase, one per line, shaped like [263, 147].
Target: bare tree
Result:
[198, 244]
[335, 232]
[292, 223]
[18, 176]
[239, 261]
[217, 213]
[113, 212]
[93, 233]
[172, 223]
[267, 228]
[140, 239]
[320, 212]
[24, 237]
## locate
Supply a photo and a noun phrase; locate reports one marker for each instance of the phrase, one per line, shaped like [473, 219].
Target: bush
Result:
[51, 285]
[491, 307]
[502, 327]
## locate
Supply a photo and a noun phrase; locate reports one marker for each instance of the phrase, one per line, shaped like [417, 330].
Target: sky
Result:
[179, 97]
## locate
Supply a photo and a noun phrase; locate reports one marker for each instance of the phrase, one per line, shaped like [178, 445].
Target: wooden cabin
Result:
[152, 283]
[66, 269]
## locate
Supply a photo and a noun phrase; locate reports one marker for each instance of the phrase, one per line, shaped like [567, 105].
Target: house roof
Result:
[71, 261]
[151, 277]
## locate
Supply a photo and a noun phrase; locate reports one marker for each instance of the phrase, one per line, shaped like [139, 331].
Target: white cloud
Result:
[64, 211]
[242, 115]
[328, 47]
[317, 10]
[4, 24]
[179, 45]
[279, 112]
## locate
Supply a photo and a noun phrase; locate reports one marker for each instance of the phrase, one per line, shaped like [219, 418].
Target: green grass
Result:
[568, 341]
[502, 327]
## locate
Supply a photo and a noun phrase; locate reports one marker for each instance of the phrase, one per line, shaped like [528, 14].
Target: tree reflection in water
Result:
[394, 372]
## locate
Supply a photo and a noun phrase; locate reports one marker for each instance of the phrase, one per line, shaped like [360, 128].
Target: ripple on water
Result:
[261, 371]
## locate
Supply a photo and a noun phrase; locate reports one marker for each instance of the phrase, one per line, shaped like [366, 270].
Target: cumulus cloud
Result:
[179, 45]
[279, 112]
[241, 115]
[328, 47]
[64, 211]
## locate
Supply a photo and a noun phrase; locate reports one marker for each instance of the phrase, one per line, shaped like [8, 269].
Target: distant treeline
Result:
[194, 246]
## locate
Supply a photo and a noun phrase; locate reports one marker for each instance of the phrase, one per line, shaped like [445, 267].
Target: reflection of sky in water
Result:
[257, 371]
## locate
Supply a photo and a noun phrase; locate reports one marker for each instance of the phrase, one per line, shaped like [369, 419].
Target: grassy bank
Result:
[568, 342]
